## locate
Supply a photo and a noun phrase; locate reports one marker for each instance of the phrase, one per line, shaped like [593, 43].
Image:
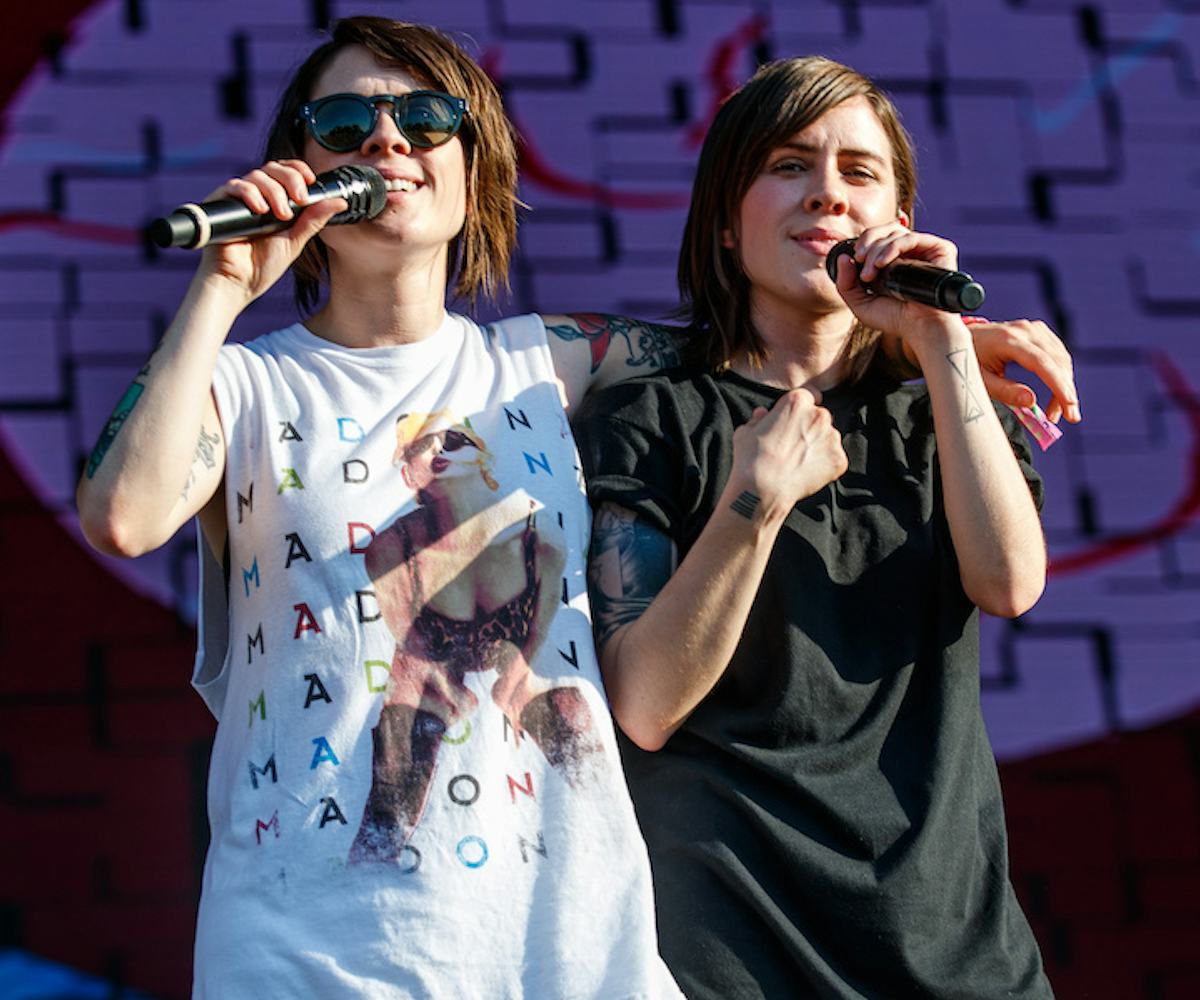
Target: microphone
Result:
[228, 219]
[917, 281]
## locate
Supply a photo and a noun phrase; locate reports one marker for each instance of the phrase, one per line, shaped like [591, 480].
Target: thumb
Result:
[847, 277]
[315, 217]
[1005, 390]
[756, 417]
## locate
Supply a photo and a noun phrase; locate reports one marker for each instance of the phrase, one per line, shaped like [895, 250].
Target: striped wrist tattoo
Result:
[745, 504]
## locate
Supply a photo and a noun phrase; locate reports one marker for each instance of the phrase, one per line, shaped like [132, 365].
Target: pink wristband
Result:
[1034, 420]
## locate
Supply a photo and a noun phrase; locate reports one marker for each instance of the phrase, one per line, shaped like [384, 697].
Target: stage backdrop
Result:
[1058, 147]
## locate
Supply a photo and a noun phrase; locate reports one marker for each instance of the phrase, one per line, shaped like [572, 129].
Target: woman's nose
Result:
[386, 134]
[826, 194]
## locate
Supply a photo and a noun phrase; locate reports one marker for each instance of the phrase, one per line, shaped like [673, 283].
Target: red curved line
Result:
[720, 72]
[1181, 513]
[95, 231]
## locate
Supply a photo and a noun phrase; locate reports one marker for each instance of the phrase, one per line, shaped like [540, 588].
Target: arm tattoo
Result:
[119, 415]
[124, 407]
[204, 448]
[205, 455]
[745, 504]
[655, 345]
[146, 367]
[629, 563]
[972, 410]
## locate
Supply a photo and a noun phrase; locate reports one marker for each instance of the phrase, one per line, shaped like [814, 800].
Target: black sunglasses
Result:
[426, 118]
[455, 440]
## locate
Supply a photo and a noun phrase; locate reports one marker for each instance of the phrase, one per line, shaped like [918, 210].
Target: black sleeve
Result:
[633, 453]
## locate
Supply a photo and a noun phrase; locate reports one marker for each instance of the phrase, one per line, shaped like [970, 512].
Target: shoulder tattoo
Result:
[648, 345]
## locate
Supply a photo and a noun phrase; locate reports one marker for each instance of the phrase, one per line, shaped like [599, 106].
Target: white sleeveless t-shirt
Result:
[415, 789]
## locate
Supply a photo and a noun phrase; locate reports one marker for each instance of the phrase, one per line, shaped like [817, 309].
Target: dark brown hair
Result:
[480, 253]
[781, 99]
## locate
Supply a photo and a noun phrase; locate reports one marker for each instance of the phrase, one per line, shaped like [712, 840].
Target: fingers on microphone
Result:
[313, 218]
[273, 191]
[883, 245]
[879, 246]
[294, 176]
[249, 193]
[847, 274]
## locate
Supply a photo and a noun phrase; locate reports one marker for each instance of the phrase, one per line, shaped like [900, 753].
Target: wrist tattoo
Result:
[745, 504]
[972, 410]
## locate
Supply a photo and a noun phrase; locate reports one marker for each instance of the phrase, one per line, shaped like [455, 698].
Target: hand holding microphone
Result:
[226, 220]
[916, 281]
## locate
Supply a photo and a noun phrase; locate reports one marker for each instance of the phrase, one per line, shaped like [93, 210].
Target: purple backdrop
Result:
[1058, 147]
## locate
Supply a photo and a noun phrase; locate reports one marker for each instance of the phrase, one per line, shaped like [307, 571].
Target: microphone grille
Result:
[364, 188]
[376, 191]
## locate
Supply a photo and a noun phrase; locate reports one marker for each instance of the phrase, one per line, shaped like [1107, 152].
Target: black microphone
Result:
[228, 219]
[916, 281]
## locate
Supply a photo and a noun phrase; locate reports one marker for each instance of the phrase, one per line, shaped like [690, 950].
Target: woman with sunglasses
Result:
[790, 550]
[382, 594]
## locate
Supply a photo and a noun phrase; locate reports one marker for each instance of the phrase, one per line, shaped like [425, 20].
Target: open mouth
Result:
[401, 184]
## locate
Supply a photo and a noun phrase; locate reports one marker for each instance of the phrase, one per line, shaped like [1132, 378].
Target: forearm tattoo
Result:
[972, 409]
[745, 504]
[650, 345]
[629, 563]
[206, 455]
[119, 415]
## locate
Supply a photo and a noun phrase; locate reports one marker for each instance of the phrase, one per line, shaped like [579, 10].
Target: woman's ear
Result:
[728, 240]
[407, 476]
[905, 221]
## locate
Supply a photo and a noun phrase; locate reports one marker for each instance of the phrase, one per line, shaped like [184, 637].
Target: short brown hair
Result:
[480, 253]
[781, 99]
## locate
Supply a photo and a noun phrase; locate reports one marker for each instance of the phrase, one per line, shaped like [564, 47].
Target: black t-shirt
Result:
[828, 821]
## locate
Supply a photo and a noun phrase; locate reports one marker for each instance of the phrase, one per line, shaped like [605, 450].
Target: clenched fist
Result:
[786, 454]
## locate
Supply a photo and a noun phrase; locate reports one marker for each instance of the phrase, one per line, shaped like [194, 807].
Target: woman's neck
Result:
[400, 303]
[802, 347]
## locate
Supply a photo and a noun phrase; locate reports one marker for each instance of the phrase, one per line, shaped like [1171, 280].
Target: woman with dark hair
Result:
[414, 788]
[790, 550]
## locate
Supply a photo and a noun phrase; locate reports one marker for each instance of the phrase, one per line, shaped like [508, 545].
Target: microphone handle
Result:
[918, 281]
[226, 220]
